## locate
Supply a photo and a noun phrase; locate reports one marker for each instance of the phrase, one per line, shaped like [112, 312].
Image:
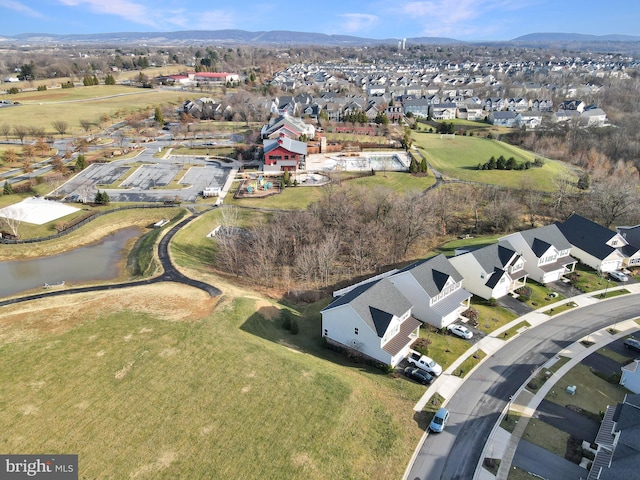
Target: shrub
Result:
[285, 316]
[295, 329]
[13, 90]
[42, 88]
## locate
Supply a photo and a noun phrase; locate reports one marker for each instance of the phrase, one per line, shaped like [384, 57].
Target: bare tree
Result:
[86, 124]
[531, 199]
[5, 130]
[615, 196]
[20, 131]
[14, 221]
[60, 126]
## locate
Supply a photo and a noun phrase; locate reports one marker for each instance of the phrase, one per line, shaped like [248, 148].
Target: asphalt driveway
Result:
[516, 306]
[567, 420]
[602, 364]
[550, 466]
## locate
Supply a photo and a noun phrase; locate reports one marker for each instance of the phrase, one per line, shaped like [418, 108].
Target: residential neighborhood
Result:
[281, 254]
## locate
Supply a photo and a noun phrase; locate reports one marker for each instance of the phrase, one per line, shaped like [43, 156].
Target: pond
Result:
[100, 261]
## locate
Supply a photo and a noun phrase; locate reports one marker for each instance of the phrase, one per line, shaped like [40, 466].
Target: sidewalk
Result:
[500, 443]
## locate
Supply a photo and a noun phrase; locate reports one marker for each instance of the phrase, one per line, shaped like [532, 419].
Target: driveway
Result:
[516, 306]
[566, 289]
[602, 364]
[534, 459]
[567, 420]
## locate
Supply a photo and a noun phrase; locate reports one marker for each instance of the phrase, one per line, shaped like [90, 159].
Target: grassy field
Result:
[40, 109]
[295, 198]
[459, 157]
[197, 390]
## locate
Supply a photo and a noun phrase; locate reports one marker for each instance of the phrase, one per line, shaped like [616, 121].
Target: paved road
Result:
[170, 274]
[475, 407]
[533, 458]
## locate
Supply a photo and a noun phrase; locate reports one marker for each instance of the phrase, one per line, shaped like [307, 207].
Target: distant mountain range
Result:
[283, 37]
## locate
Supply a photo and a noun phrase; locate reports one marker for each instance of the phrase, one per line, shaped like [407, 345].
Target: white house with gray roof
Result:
[545, 251]
[434, 288]
[374, 320]
[594, 244]
[381, 319]
[492, 271]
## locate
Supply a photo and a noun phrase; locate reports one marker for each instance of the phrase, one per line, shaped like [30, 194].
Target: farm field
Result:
[40, 109]
[198, 390]
[458, 158]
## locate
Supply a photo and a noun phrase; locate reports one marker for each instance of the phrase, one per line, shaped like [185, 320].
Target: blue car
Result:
[439, 421]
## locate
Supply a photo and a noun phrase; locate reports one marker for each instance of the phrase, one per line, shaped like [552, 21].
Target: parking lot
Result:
[148, 182]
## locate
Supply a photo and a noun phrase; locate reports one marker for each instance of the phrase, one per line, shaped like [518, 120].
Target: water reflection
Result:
[95, 262]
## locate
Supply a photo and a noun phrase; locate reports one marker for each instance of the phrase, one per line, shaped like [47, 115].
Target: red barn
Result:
[283, 153]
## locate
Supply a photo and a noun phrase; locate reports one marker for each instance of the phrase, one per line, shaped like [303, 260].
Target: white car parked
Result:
[618, 276]
[460, 331]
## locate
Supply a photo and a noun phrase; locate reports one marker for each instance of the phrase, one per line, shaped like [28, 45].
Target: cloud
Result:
[19, 7]
[357, 22]
[453, 17]
[126, 9]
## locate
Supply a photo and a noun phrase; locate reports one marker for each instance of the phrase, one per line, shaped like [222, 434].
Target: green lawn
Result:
[228, 395]
[546, 436]
[459, 157]
[468, 365]
[444, 347]
[540, 295]
[586, 279]
[514, 330]
[449, 248]
[560, 308]
[491, 318]
[593, 394]
[294, 198]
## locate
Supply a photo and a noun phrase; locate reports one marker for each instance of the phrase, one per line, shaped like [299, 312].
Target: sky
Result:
[468, 20]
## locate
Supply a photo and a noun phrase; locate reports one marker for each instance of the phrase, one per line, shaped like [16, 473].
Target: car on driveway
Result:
[632, 343]
[418, 375]
[460, 331]
[618, 276]
[439, 421]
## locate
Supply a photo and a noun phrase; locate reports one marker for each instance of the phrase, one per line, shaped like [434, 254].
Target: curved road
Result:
[476, 406]
[170, 274]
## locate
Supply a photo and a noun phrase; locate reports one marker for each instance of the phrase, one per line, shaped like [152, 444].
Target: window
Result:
[356, 330]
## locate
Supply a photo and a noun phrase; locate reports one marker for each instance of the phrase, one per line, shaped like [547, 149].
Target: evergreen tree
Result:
[109, 80]
[8, 189]
[158, 117]
[413, 166]
[81, 162]
[423, 166]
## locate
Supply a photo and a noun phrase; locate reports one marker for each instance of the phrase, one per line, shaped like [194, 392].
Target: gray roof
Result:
[631, 234]
[287, 143]
[432, 273]
[496, 255]
[536, 238]
[503, 115]
[588, 236]
[376, 303]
